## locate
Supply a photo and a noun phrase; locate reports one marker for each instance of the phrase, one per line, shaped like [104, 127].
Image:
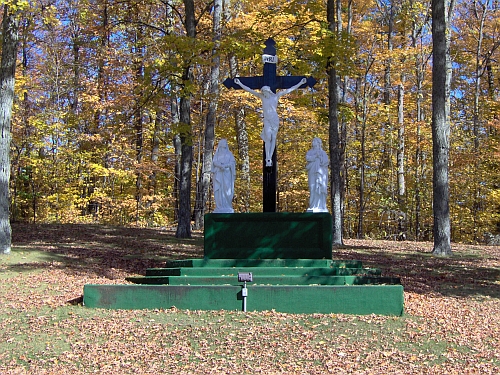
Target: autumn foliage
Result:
[96, 117]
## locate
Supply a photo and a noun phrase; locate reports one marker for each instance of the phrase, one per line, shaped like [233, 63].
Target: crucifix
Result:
[267, 84]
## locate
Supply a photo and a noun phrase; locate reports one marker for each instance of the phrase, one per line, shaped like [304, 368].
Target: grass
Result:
[450, 325]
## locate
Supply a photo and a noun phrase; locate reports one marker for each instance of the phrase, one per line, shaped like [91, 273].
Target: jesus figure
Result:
[269, 109]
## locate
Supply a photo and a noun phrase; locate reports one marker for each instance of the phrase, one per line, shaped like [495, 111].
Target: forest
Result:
[119, 105]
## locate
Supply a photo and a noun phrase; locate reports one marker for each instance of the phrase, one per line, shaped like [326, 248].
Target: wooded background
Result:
[119, 106]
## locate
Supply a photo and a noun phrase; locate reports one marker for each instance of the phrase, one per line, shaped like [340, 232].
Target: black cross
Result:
[269, 78]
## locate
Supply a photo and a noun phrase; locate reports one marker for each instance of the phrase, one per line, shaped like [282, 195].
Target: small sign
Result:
[245, 276]
[270, 59]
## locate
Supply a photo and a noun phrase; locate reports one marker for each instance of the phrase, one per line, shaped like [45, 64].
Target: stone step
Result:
[262, 271]
[215, 263]
[339, 299]
[265, 280]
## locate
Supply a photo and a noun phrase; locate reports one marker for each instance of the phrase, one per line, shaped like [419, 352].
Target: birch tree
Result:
[334, 136]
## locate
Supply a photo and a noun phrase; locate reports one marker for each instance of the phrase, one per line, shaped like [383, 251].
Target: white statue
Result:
[271, 119]
[317, 171]
[223, 170]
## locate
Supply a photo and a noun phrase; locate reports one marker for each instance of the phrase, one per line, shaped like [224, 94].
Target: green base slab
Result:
[262, 271]
[216, 263]
[265, 280]
[285, 285]
[269, 235]
[361, 300]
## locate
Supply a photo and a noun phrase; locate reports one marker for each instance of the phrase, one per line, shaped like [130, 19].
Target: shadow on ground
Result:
[472, 271]
[117, 252]
[105, 250]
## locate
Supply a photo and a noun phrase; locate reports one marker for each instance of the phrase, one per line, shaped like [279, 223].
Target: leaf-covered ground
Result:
[451, 323]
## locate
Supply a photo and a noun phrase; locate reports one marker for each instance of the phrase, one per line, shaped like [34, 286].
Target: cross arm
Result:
[285, 82]
[252, 82]
[282, 82]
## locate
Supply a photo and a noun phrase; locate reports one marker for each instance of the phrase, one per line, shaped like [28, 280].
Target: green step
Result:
[215, 263]
[339, 299]
[273, 247]
[265, 280]
[261, 271]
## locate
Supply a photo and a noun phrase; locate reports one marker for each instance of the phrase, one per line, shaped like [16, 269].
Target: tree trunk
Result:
[334, 136]
[440, 133]
[335, 152]
[10, 27]
[155, 150]
[476, 181]
[362, 165]
[211, 119]
[387, 98]
[186, 164]
[361, 109]
[177, 167]
[401, 148]
[419, 167]
[184, 223]
[243, 156]
[25, 147]
[174, 113]
[344, 170]
[137, 119]
[241, 129]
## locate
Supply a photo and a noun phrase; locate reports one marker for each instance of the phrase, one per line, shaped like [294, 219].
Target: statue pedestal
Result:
[316, 210]
[269, 235]
[223, 210]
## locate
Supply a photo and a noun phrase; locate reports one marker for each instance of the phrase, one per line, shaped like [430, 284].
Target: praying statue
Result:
[317, 173]
[223, 170]
[271, 119]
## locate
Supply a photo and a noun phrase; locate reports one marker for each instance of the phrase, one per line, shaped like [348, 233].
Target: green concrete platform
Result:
[216, 263]
[290, 258]
[265, 280]
[339, 299]
[268, 235]
[264, 271]
[326, 287]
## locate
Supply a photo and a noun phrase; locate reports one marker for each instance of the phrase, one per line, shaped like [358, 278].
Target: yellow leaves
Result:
[121, 175]
[98, 170]
[240, 45]
[340, 49]
[257, 20]
[495, 195]
[15, 5]
[89, 98]
[50, 16]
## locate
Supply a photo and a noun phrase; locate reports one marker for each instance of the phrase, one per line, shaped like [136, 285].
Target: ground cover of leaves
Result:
[451, 323]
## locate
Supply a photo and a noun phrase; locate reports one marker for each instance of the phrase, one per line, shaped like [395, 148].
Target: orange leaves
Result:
[450, 324]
